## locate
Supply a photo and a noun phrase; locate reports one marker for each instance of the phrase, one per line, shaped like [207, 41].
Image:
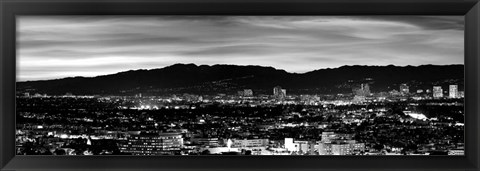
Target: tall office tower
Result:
[404, 89]
[453, 91]
[279, 92]
[437, 92]
[363, 90]
[366, 89]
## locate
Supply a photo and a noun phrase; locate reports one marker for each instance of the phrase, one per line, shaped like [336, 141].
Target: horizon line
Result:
[198, 65]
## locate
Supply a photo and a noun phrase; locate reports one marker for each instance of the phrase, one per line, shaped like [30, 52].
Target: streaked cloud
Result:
[64, 46]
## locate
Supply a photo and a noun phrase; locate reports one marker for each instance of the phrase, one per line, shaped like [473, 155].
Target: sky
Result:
[52, 47]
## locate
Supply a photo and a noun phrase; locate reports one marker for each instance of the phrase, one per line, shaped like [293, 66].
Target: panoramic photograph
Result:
[240, 85]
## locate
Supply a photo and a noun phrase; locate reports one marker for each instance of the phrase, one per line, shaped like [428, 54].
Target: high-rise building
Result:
[363, 90]
[366, 89]
[279, 92]
[404, 89]
[437, 92]
[453, 91]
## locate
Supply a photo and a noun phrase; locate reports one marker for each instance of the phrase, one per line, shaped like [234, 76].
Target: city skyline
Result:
[395, 123]
[240, 85]
[58, 46]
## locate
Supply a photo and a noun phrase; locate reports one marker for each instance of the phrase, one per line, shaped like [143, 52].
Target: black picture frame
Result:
[11, 8]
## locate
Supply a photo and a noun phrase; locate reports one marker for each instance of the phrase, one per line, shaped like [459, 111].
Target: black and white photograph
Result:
[240, 85]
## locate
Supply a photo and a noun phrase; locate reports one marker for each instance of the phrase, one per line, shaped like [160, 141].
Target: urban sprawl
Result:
[398, 122]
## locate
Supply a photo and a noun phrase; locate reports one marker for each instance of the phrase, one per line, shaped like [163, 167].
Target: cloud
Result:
[61, 46]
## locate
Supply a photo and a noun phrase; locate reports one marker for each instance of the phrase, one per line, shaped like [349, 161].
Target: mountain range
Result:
[205, 79]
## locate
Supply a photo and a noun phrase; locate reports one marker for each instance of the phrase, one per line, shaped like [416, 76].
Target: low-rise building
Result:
[153, 144]
[249, 143]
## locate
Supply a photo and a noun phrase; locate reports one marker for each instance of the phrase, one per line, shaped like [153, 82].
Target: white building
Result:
[346, 148]
[437, 92]
[249, 143]
[338, 144]
[453, 91]
[300, 146]
[289, 145]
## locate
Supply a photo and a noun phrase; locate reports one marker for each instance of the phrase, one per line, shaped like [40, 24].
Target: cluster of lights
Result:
[146, 107]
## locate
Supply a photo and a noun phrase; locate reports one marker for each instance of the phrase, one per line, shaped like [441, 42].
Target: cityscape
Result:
[240, 85]
[403, 121]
